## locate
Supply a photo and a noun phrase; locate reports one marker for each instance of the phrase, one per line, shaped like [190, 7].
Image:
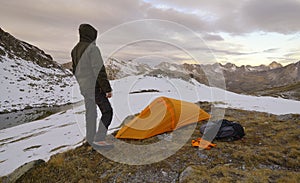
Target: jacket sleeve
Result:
[99, 69]
[73, 62]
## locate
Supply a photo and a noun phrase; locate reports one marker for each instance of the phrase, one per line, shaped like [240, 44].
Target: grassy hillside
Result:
[270, 152]
[288, 92]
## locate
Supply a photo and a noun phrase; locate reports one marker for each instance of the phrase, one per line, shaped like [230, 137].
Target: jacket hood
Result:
[87, 33]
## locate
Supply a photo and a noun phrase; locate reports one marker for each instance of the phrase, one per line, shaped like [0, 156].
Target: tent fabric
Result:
[160, 116]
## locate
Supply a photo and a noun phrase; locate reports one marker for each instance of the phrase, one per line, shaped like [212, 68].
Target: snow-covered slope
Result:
[43, 138]
[31, 78]
[119, 69]
[26, 84]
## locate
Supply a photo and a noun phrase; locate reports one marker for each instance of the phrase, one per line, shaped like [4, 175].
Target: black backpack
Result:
[228, 131]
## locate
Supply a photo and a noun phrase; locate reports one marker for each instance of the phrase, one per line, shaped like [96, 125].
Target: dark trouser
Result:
[91, 101]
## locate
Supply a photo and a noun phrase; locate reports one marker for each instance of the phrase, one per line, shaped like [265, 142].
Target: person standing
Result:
[91, 75]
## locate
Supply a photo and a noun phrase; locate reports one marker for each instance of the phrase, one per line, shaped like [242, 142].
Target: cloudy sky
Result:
[196, 31]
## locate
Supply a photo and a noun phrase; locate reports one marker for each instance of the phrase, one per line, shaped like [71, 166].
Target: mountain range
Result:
[273, 79]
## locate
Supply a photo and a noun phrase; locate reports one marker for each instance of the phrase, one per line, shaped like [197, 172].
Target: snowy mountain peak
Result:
[230, 66]
[275, 65]
[248, 68]
[169, 66]
[117, 68]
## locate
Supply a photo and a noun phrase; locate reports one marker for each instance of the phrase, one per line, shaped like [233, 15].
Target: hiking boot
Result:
[103, 144]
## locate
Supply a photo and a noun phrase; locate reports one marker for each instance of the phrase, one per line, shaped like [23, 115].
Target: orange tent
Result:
[162, 115]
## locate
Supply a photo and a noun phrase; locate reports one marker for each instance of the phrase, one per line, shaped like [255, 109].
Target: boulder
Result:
[19, 172]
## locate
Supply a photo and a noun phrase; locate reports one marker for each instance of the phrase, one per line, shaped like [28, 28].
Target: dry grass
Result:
[291, 91]
[269, 152]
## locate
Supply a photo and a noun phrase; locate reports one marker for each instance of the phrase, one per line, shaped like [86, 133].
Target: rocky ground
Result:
[269, 152]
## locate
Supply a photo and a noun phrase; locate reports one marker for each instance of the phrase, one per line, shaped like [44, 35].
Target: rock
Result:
[284, 117]
[195, 173]
[184, 176]
[201, 155]
[14, 176]
[165, 174]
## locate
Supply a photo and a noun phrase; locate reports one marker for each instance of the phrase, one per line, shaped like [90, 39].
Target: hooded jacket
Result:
[87, 62]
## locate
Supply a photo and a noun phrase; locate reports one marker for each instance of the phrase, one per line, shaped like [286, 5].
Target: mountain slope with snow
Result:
[43, 138]
[30, 78]
[117, 69]
[25, 84]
